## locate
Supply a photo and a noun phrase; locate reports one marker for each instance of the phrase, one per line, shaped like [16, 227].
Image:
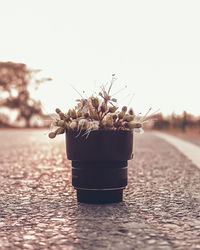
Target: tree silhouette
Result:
[160, 122]
[4, 120]
[198, 122]
[15, 82]
[184, 121]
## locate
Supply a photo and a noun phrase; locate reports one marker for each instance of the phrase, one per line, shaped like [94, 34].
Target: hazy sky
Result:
[152, 46]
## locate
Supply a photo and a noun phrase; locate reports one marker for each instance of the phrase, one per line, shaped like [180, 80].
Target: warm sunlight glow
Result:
[156, 53]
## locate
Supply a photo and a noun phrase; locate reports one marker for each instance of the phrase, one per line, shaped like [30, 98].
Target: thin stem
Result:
[153, 114]
[143, 118]
[104, 114]
[77, 91]
[47, 112]
[85, 94]
[119, 91]
[131, 100]
[111, 83]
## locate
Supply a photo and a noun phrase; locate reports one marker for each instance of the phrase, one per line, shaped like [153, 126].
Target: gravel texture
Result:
[38, 207]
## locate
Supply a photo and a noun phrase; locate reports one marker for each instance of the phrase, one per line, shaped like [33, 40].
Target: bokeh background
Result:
[48, 48]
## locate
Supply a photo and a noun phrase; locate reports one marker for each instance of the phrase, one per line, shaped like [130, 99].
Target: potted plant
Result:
[99, 142]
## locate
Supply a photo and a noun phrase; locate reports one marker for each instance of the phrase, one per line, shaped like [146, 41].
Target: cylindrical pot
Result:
[99, 164]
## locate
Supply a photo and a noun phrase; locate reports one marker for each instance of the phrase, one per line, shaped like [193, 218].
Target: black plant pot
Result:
[99, 164]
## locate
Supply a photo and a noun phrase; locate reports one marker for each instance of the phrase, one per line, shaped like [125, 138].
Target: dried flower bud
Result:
[133, 125]
[121, 115]
[114, 100]
[62, 116]
[67, 117]
[83, 124]
[67, 125]
[79, 114]
[125, 124]
[114, 117]
[69, 112]
[131, 112]
[128, 118]
[113, 109]
[94, 115]
[73, 114]
[116, 125]
[73, 125]
[58, 111]
[61, 123]
[108, 123]
[95, 102]
[60, 131]
[103, 107]
[86, 115]
[138, 125]
[124, 109]
[52, 135]
[95, 125]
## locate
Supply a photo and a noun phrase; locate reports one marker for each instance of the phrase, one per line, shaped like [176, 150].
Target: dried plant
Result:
[97, 113]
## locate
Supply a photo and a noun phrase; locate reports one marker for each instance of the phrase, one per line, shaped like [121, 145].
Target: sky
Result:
[153, 47]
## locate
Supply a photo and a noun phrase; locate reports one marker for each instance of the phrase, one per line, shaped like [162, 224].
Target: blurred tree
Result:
[4, 120]
[15, 82]
[173, 120]
[184, 121]
[160, 122]
[198, 124]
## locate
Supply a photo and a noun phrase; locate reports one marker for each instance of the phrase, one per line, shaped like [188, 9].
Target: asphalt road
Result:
[38, 207]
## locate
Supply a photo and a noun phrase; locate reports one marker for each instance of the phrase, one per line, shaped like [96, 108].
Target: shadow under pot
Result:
[99, 164]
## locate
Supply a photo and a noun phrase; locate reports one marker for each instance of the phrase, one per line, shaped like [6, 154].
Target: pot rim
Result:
[101, 131]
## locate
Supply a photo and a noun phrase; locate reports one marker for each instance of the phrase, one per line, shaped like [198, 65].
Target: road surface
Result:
[189, 149]
[38, 207]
